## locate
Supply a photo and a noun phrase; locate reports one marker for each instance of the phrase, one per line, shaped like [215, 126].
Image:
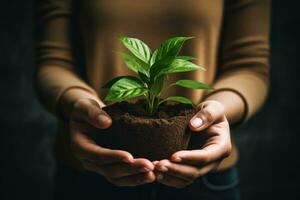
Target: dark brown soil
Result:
[153, 137]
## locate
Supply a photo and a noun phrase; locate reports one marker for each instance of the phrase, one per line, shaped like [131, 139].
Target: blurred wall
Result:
[26, 129]
[268, 143]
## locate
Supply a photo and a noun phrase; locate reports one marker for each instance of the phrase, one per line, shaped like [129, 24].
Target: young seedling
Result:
[152, 69]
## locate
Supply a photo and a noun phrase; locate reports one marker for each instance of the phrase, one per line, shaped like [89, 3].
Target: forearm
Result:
[243, 59]
[53, 81]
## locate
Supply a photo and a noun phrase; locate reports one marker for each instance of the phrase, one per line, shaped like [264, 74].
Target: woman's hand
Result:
[118, 167]
[185, 166]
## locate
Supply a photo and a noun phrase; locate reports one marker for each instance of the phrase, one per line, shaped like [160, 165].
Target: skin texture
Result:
[120, 168]
[216, 113]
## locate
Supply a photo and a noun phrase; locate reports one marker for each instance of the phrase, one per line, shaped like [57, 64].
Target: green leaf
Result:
[144, 78]
[125, 95]
[179, 99]
[138, 48]
[171, 47]
[158, 67]
[126, 88]
[157, 86]
[181, 65]
[187, 58]
[153, 57]
[135, 64]
[192, 84]
[166, 54]
[114, 80]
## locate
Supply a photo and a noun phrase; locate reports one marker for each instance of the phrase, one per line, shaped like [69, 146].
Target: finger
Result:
[134, 180]
[182, 171]
[208, 168]
[210, 112]
[89, 111]
[143, 163]
[155, 162]
[91, 166]
[210, 153]
[83, 147]
[119, 170]
[189, 172]
[83, 127]
[176, 176]
[171, 181]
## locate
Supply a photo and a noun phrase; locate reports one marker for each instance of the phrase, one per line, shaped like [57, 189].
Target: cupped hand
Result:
[117, 166]
[185, 166]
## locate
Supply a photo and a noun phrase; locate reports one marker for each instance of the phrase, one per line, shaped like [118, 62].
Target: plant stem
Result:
[147, 103]
[152, 101]
[152, 104]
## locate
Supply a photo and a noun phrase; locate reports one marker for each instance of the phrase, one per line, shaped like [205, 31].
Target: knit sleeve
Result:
[55, 72]
[244, 52]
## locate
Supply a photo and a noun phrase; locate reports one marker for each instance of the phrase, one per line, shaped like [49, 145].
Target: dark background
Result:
[269, 165]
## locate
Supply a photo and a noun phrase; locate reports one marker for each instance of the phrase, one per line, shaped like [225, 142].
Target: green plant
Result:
[152, 69]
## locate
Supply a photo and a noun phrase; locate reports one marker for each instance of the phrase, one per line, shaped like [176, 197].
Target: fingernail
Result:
[159, 177]
[197, 122]
[176, 159]
[155, 162]
[127, 160]
[103, 118]
[162, 169]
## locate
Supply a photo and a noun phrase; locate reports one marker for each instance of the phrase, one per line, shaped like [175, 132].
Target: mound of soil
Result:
[154, 137]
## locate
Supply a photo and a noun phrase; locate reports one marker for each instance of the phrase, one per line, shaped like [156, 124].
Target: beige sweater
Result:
[232, 42]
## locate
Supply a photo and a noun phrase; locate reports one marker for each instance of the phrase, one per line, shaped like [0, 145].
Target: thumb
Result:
[89, 111]
[210, 112]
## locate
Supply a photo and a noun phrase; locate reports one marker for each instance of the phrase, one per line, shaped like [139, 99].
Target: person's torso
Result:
[102, 22]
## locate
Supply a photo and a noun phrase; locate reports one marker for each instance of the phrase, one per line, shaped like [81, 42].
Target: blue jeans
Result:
[72, 184]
